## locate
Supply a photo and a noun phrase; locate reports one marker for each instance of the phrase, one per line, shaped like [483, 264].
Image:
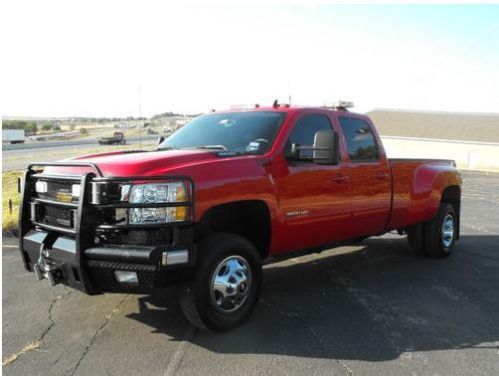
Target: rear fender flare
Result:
[429, 183]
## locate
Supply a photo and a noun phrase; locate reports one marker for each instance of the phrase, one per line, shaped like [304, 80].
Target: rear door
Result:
[369, 176]
[314, 199]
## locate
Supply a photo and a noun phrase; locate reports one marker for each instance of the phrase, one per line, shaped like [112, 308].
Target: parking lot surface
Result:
[357, 310]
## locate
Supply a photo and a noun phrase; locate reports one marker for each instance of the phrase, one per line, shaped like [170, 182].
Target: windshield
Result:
[240, 132]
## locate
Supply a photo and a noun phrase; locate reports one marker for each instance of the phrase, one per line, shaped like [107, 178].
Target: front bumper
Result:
[74, 256]
[55, 259]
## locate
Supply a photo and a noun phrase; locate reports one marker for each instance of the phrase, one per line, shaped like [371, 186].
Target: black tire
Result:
[416, 239]
[196, 299]
[438, 244]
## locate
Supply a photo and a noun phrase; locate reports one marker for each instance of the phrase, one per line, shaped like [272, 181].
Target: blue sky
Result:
[89, 58]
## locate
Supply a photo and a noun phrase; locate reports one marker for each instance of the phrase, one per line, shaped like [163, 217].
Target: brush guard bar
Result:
[83, 231]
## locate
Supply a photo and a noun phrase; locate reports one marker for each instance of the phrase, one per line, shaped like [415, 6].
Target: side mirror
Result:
[161, 139]
[324, 150]
[325, 147]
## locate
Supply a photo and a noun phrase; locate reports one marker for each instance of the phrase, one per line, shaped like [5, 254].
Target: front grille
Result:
[53, 215]
[58, 191]
[56, 215]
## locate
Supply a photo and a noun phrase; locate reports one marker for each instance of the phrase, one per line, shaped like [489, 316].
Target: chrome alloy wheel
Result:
[230, 284]
[447, 230]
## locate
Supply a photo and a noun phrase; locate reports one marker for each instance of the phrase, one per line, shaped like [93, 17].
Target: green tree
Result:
[14, 124]
[31, 128]
[28, 126]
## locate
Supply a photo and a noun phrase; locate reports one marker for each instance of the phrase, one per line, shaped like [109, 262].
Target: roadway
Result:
[19, 158]
[357, 310]
[77, 142]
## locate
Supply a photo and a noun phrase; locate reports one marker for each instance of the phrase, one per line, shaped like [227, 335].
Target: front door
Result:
[314, 199]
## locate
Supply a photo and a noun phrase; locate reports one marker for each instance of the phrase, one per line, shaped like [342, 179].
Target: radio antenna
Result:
[289, 92]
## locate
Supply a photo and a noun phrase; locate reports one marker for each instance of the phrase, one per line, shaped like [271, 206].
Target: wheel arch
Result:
[250, 219]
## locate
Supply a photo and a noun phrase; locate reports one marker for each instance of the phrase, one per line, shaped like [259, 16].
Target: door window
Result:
[304, 132]
[360, 141]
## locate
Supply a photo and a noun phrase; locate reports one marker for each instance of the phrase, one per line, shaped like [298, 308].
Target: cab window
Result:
[360, 141]
[304, 132]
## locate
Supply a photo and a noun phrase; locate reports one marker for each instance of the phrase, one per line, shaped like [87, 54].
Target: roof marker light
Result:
[340, 105]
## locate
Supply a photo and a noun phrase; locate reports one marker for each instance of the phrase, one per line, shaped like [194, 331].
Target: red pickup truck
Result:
[220, 195]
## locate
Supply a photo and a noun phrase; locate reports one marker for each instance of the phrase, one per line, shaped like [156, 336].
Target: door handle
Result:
[381, 175]
[339, 178]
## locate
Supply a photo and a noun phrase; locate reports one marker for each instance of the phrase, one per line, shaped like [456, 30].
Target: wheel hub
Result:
[448, 230]
[231, 284]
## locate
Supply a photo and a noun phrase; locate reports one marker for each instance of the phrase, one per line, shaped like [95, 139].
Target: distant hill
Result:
[439, 125]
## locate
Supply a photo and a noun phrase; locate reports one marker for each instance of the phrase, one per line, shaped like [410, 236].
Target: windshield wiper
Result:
[219, 148]
[166, 148]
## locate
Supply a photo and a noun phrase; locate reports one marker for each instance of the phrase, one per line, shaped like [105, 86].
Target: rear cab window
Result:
[360, 142]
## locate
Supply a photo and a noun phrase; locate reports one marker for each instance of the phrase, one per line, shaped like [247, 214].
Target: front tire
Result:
[226, 285]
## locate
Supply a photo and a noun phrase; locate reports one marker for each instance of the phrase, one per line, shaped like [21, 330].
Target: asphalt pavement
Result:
[359, 310]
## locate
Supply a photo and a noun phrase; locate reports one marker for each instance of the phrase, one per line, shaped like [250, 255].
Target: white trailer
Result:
[13, 136]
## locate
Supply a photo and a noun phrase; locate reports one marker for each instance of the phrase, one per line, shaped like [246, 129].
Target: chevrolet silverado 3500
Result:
[220, 195]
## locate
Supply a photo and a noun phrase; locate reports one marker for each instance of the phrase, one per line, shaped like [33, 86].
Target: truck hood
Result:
[139, 163]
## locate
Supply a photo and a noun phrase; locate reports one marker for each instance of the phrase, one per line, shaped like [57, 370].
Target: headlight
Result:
[157, 193]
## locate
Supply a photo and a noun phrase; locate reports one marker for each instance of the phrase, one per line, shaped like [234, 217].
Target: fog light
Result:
[41, 186]
[126, 277]
[75, 190]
